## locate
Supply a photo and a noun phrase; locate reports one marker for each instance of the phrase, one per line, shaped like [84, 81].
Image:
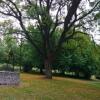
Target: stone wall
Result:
[9, 78]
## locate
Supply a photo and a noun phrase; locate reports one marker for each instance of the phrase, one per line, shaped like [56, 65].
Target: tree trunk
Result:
[48, 69]
[41, 70]
[77, 74]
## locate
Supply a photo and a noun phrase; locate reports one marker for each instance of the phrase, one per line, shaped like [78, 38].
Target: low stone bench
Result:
[9, 78]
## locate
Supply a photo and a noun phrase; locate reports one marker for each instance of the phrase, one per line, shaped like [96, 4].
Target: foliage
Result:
[78, 56]
[30, 57]
[6, 67]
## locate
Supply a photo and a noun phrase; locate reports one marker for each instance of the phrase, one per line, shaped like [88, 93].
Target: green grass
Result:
[36, 87]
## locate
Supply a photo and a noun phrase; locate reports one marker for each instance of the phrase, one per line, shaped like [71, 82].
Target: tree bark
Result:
[41, 70]
[48, 64]
[48, 69]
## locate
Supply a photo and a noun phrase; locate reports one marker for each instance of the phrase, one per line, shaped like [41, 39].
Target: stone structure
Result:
[9, 78]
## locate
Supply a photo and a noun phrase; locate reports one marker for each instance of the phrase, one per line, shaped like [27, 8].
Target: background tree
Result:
[78, 55]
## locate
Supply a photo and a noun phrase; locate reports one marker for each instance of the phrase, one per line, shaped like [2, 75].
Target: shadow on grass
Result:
[58, 75]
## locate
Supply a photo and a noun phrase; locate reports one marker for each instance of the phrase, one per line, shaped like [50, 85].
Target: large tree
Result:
[46, 16]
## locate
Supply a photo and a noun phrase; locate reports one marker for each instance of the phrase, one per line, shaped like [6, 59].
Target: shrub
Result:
[6, 67]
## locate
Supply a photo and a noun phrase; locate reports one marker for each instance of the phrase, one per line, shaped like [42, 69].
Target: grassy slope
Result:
[35, 87]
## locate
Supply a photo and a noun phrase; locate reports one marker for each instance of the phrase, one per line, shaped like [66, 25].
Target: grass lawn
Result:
[36, 87]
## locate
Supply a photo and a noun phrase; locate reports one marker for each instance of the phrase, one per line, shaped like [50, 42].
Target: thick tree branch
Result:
[71, 12]
[57, 23]
[18, 11]
[7, 14]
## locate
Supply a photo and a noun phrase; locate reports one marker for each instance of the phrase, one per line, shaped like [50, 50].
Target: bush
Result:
[27, 67]
[6, 67]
